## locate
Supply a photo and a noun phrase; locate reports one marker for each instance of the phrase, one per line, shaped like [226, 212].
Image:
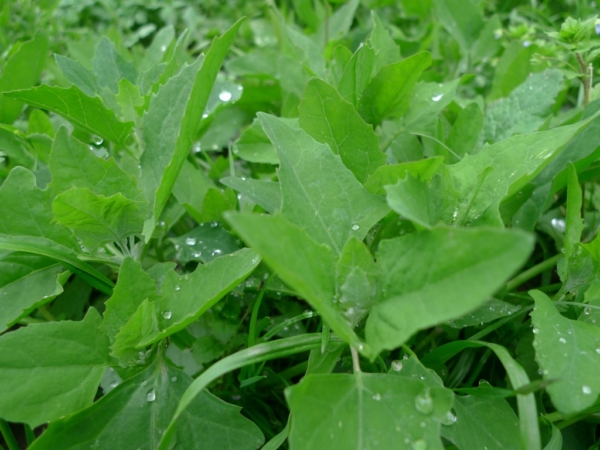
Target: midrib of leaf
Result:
[97, 218]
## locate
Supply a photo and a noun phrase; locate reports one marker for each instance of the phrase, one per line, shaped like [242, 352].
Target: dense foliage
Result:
[356, 224]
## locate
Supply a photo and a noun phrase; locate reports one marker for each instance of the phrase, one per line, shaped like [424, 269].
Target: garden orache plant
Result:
[364, 211]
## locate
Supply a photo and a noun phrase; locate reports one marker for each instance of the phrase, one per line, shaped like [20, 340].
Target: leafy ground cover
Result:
[326, 225]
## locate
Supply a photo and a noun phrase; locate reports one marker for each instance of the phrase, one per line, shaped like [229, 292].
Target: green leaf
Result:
[330, 120]
[26, 282]
[331, 214]
[423, 169]
[169, 136]
[515, 161]
[110, 67]
[465, 132]
[483, 423]
[427, 203]
[434, 266]
[386, 49]
[26, 210]
[267, 194]
[87, 113]
[356, 280]
[302, 263]
[135, 414]
[491, 310]
[525, 109]
[363, 411]
[568, 352]
[72, 164]
[254, 145]
[574, 222]
[461, 19]
[21, 71]
[97, 219]
[134, 285]
[357, 74]
[77, 74]
[204, 243]
[191, 186]
[428, 99]
[185, 298]
[56, 370]
[389, 93]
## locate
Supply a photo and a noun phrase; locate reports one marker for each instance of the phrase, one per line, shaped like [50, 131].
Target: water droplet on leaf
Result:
[151, 396]
[167, 314]
[225, 96]
[396, 366]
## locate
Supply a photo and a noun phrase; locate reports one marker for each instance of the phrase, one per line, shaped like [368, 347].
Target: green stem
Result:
[8, 436]
[29, 434]
[355, 360]
[532, 272]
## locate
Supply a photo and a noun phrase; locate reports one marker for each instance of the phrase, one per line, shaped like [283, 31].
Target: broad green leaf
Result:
[169, 136]
[461, 19]
[330, 120]
[339, 23]
[55, 371]
[185, 298]
[110, 67]
[389, 93]
[567, 351]
[574, 222]
[254, 145]
[356, 281]
[87, 113]
[303, 264]
[331, 213]
[525, 109]
[134, 285]
[72, 164]
[491, 310]
[513, 68]
[27, 211]
[191, 186]
[26, 282]
[135, 414]
[427, 202]
[515, 162]
[17, 148]
[267, 194]
[39, 123]
[204, 243]
[77, 74]
[128, 100]
[483, 423]
[97, 219]
[21, 71]
[386, 49]
[428, 99]
[423, 169]
[465, 132]
[143, 322]
[592, 297]
[365, 411]
[159, 48]
[357, 74]
[434, 267]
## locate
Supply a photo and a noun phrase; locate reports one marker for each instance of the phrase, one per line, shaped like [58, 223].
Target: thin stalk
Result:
[287, 323]
[29, 434]
[355, 360]
[586, 79]
[325, 329]
[532, 272]
[8, 436]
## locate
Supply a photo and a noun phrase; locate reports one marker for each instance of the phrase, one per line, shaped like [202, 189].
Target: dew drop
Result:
[449, 418]
[225, 96]
[173, 379]
[526, 43]
[144, 383]
[536, 330]
[586, 390]
[559, 225]
[161, 224]
[163, 48]
[190, 241]
[96, 140]
[598, 350]
[396, 366]
[216, 252]
[562, 340]
[355, 227]
[377, 397]
[197, 254]
[437, 97]
[114, 384]
[197, 147]
[424, 402]
[204, 116]
[177, 287]
[419, 445]
[151, 396]
[167, 314]
[340, 424]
